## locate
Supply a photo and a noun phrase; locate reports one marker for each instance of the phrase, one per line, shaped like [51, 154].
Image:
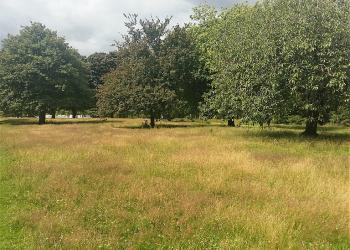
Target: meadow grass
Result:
[90, 184]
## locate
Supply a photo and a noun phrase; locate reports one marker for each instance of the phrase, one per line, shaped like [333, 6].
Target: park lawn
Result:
[89, 184]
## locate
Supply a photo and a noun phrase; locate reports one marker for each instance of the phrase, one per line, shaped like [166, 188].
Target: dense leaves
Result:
[137, 85]
[277, 58]
[100, 64]
[39, 72]
[183, 69]
[159, 73]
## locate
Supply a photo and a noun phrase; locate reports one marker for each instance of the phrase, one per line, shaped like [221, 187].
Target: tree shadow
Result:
[295, 134]
[275, 132]
[287, 126]
[326, 128]
[159, 126]
[57, 121]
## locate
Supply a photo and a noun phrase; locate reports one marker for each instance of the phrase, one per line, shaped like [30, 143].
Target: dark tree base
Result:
[42, 118]
[153, 122]
[74, 113]
[231, 123]
[53, 115]
[310, 129]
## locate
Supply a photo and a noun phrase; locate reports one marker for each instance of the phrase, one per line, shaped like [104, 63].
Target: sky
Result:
[92, 25]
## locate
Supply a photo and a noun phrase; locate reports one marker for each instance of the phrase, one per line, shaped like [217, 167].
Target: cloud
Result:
[90, 25]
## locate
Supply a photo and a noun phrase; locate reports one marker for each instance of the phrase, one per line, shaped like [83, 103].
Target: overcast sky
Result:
[91, 25]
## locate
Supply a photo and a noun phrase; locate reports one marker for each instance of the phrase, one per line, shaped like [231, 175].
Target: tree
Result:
[39, 72]
[184, 70]
[78, 95]
[278, 57]
[99, 65]
[159, 73]
[223, 100]
[137, 86]
[126, 92]
[317, 55]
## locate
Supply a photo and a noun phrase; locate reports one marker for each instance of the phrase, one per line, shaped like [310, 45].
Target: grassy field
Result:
[95, 184]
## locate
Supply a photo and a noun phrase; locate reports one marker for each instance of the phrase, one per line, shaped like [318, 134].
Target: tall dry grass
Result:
[187, 185]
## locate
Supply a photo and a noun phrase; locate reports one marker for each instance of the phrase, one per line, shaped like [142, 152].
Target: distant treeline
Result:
[276, 61]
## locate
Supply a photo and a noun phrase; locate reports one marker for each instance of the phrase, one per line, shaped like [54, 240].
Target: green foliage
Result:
[78, 95]
[40, 72]
[184, 71]
[277, 57]
[159, 73]
[137, 85]
[342, 115]
[316, 51]
[126, 92]
[99, 65]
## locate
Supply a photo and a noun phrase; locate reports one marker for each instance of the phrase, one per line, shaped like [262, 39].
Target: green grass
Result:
[6, 236]
[11, 236]
[92, 184]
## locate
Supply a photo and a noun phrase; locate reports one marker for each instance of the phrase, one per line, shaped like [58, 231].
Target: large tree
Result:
[39, 72]
[158, 74]
[316, 52]
[279, 57]
[137, 86]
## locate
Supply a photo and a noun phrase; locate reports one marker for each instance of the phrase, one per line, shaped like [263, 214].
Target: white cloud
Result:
[89, 25]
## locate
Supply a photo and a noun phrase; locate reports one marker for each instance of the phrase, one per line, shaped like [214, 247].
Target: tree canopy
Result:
[100, 64]
[158, 74]
[277, 58]
[40, 72]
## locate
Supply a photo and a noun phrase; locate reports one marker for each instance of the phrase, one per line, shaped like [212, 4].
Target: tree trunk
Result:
[231, 123]
[311, 127]
[42, 116]
[261, 125]
[74, 113]
[268, 123]
[53, 114]
[153, 122]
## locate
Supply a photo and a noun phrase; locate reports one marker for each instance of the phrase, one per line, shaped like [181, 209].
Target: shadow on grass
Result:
[275, 132]
[29, 121]
[295, 134]
[159, 126]
[326, 128]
